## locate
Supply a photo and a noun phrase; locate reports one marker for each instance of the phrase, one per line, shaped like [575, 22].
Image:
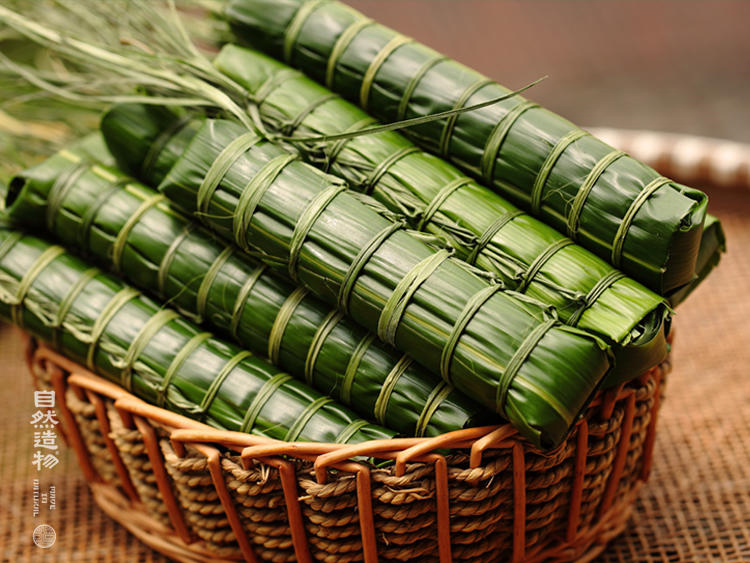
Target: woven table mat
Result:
[696, 506]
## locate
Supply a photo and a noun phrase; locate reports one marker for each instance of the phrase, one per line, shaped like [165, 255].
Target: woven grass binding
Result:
[198, 494]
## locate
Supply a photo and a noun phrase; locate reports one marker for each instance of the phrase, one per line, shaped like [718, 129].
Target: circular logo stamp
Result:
[44, 536]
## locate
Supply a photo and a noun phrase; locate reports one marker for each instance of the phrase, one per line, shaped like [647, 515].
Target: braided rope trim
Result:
[584, 190]
[253, 192]
[436, 398]
[360, 261]
[353, 366]
[376, 63]
[208, 280]
[306, 222]
[388, 385]
[120, 299]
[213, 389]
[67, 302]
[44, 260]
[242, 296]
[176, 363]
[622, 231]
[220, 166]
[440, 198]
[118, 246]
[471, 308]
[539, 262]
[393, 311]
[384, 167]
[139, 343]
[338, 146]
[299, 425]
[543, 175]
[350, 430]
[324, 330]
[490, 233]
[168, 258]
[341, 44]
[497, 137]
[519, 358]
[281, 321]
[595, 293]
[261, 398]
[414, 82]
[295, 26]
[450, 123]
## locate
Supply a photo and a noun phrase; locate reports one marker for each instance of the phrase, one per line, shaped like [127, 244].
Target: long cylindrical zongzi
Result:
[501, 348]
[432, 196]
[111, 328]
[129, 228]
[617, 207]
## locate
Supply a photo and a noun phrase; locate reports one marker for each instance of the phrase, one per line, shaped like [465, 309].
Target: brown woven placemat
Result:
[696, 508]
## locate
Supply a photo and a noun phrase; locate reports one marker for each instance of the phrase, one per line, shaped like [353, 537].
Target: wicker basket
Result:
[198, 494]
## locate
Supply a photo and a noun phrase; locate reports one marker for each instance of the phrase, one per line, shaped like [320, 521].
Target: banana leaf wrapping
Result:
[646, 225]
[503, 349]
[108, 326]
[129, 228]
[432, 196]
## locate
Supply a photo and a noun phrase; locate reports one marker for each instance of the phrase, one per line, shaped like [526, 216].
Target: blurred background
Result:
[671, 65]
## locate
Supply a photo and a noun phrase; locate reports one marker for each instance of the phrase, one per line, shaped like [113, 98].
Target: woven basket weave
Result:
[197, 494]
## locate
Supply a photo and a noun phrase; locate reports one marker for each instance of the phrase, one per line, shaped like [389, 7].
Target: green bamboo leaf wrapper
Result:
[502, 349]
[99, 321]
[586, 291]
[625, 212]
[107, 217]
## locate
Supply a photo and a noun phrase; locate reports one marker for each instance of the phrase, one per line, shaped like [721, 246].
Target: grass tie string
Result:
[291, 127]
[428, 65]
[253, 192]
[160, 142]
[574, 216]
[242, 296]
[88, 218]
[333, 153]
[67, 303]
[119, 300]
[324, 330]
[599, 288]
[346, 37]
[139, 343]
[389, 383]
[353, 366]
[61, 187]
[282, 320]
[437, 396]
[176, 363]
[490, 233]
[272, 83]
[121, 239]
[204, 289]
[261, 398]
[168, 258]
[450, 123]
[471, 308]
[543, 175]
[292, 31]
[384, 167]
[360, 261]
[213, 389]
[376, 63]
[299, 425]
[514, 365]
[627, 220]
[44, 260]
[220, 166]
[539, 262]
[393, 311]
[497, 137]
[440, 198]
[306, 221]
[350, 430]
